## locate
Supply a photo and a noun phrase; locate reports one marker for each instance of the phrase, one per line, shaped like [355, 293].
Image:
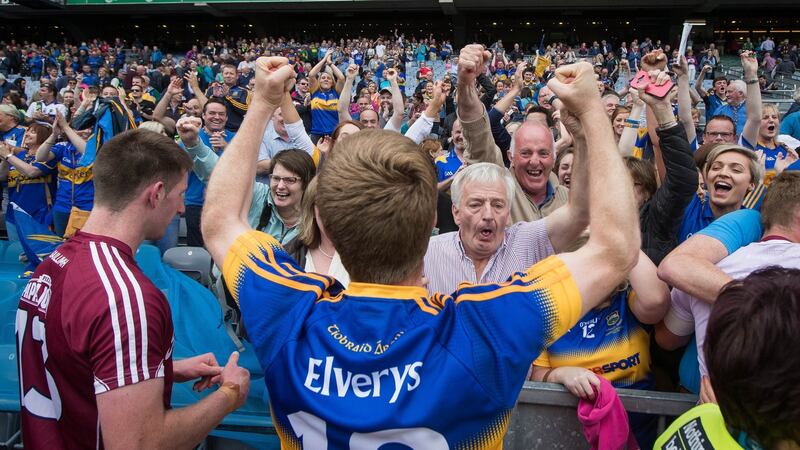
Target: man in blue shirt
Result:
[714, 99]
[216, 137]
[375, 365]
[447, 165]
[10, 131]
[791, 125]
[735, 107]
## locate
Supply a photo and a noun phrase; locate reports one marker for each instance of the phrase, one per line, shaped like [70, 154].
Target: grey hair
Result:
[739, 85]
[756, 169]
[486, 173]
[153, 126]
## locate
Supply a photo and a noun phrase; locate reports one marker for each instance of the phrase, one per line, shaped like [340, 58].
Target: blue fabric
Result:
[447, 165]
[14, 134]
[737, 113]
[791, 125]
[196, 189]
[770, 153]
[689, 368]
[111, 120]
[696, 216]
[376, 358]
[736, 229]
[34, 195]
[712, 103]
[36, 239]
[75, 184]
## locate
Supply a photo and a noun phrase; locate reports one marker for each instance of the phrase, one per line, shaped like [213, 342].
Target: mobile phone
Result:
[642, 80]
[115, 82]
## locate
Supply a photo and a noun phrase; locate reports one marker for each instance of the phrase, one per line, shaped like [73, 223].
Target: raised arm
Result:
[505, 103]
[339, 77]
[631, 131]
[698, 84]
[396, 121]
[74, 138]
[422, 127]
[44, 153]
[471, 111]
[191, 78]
[347, 92]
[230, 189]
[313, 74]
[753, 101]
[613, 246]
[565, 224]
[160, 111]
[684, 98]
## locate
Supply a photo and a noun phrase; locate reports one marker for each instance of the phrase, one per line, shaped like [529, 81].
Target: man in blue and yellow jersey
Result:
[377, 363]
[235, 98]
[325, 91]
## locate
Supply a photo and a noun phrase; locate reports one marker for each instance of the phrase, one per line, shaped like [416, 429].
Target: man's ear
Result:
[155, 193]
[456, 215]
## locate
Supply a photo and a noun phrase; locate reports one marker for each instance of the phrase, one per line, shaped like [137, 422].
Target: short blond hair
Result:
[376, 197]
[753, 164]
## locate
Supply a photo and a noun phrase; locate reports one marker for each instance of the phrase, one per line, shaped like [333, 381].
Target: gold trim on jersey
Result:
[78, 175]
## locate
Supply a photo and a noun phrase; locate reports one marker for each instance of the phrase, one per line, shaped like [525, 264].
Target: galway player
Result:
[382, 362]
[95, 336]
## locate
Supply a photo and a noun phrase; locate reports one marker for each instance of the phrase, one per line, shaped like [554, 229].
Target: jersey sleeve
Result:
[271, 290]
[679, 319]
[543, 360]
[736, 229]
[509, 324]
[129, 338]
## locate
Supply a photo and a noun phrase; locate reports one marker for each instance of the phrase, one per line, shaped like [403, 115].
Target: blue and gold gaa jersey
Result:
[379, 365]
[608, 341]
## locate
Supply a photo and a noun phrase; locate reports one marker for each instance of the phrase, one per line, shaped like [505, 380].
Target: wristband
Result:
[547, 374]
[668, 125]
[751, 81]
[552, 98]
[630, 125]
[632, 122]
[231, 390]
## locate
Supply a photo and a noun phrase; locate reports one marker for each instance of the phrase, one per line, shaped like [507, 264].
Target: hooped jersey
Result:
[378, 365]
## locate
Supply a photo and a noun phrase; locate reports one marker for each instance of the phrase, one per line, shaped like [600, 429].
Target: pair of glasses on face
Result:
[288, 181]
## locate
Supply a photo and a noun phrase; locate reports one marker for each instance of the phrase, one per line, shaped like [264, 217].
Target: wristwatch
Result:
[751, 81]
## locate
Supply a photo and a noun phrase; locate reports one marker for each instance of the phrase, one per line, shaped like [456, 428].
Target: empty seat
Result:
[195, 262]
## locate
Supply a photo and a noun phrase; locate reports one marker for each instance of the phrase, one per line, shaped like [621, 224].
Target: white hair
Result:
[739, 86]
[485, 173]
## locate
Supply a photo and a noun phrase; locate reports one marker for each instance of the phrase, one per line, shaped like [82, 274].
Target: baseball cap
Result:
[385, 86]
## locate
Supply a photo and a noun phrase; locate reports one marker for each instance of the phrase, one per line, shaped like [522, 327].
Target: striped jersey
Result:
[610, 342]
[89, 321]
[324, 111]
[75, 183]
[378, 366]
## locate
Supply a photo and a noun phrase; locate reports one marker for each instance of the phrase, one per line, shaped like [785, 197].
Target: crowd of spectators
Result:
[510, 157]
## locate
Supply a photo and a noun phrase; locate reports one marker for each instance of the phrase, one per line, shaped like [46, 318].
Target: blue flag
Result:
[110, 119]
[36, 239]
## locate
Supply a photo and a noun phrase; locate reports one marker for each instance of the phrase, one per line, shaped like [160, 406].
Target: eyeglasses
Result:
[136, 90]
[721, 134]
[276, 180]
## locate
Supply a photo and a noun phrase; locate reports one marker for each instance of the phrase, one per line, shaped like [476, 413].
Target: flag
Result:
[36, 239]
[108, 120]
[542, 64]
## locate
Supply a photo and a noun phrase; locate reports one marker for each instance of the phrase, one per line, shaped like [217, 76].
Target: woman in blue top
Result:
[75, 183]
[29, 182]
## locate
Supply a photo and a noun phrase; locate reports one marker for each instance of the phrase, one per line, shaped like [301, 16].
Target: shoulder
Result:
[441, 160]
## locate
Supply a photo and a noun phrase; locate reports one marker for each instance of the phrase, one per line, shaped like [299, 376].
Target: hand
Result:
[471, 63]
[217, 140]
[237, 375]
[274, 79]
[635, 99]
[189, 130]
[175, 87]
[706, 68]
[38, 115]
[572, 124]
[782, 162]
[655, 60]
[749, 65]
[579, 381]
[657, 78]
[121, 92]
[439, 96]
[191, 78]
[352, 72]
[60, 122]
[706, 391]
[5, 150]
[762, 158]
[519, 79]
[681, 67]
[203, 366]
[391, 76]
[324, 145]
[575, 86]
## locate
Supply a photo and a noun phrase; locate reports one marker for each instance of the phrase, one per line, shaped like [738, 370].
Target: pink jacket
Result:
[604, 420]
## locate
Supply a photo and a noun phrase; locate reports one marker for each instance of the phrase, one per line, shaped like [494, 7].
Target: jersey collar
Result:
[385, 291]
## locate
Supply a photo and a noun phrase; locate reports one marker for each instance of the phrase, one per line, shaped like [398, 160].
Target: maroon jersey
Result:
[89, 321]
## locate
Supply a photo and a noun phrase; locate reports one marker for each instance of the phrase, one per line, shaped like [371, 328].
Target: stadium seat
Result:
[195, 262]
